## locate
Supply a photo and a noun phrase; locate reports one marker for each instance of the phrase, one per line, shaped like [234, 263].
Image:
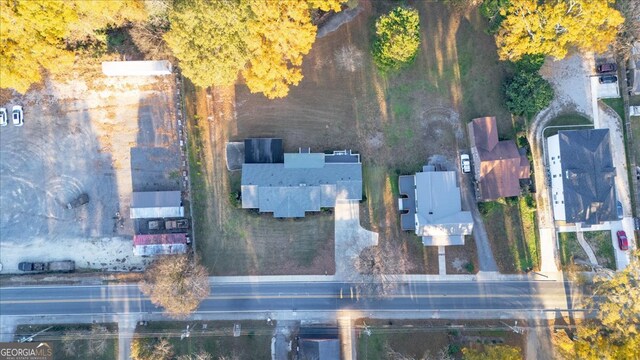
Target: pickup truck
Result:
[51, 266]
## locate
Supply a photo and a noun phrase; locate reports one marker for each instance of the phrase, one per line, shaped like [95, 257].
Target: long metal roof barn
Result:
[136, 68]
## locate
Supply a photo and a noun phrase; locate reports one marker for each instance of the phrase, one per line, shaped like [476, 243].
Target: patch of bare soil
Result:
[462, 259]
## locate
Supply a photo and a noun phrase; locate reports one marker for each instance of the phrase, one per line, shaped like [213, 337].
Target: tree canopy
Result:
[208, 37]
[177, 283]
[265, 40]
[37, 35]
[527, 93]
[553, 27]
[615, 332]
[397, 38]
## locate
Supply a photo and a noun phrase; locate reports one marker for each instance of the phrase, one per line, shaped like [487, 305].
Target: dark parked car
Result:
[608, 79]
[79, 201]
[605, 68]
[619, 209]
[622, 240]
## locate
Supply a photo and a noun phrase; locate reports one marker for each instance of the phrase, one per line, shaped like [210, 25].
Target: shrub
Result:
[397, 38]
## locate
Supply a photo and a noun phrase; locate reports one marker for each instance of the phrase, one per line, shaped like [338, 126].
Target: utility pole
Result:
[30, 338]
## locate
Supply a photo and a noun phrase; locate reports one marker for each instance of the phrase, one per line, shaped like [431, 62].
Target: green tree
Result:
[615, 332]
[397, 38]
[493, 352]
[555, 26]
[527, 93]
[37, 35]
[177, 283]
[494, 11]
[208, 37]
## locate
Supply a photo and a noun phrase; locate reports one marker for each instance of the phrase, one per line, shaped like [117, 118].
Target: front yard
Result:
[398, 339]
[253, 341]
[76, 341]
[511, 225]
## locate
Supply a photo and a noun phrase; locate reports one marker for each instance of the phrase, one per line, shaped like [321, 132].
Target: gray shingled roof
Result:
[291, 189]
[588, 176]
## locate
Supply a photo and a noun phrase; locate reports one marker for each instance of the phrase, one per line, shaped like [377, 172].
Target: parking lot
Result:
[105, 137]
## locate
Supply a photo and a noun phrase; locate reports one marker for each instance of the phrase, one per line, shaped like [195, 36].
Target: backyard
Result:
[253, 340]
[76, 341]
[397, 122]
[397, 339]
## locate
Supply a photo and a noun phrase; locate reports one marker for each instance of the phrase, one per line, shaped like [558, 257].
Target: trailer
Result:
[51, 266]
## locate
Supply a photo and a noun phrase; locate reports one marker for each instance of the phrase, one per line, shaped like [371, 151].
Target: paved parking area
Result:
[105, 138]
[350, 237]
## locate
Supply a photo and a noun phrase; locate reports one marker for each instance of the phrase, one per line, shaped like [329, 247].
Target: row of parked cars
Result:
[17, 116]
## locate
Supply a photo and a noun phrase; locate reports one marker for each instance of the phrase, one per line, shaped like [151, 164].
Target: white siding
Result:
[136, 68]
[555, 171]
[157, 212]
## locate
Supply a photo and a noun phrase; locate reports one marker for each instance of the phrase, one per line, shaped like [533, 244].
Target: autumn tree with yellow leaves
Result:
[265, 40]
[553, 27]
[37, 36]
[615, 332]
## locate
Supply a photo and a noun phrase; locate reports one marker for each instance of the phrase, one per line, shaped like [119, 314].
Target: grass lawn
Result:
[398, 338]
[570, 248]
[215, 338]
[600, 242]
[76, 341]
[616, 104]
[510, 224]
[567, 120]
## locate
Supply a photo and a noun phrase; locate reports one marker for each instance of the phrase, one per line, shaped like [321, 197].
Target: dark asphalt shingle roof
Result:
[263, 151]
[588, 176]
[292, 188]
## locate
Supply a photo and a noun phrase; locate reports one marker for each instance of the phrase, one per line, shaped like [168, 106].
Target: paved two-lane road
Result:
[511, 296]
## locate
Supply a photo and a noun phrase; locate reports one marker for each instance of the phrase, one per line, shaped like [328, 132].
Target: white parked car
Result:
[17, 115]
[3, 117]
[465, 163]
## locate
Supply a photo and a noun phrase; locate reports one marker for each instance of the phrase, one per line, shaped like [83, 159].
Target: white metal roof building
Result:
[136, 68]
[156, 204]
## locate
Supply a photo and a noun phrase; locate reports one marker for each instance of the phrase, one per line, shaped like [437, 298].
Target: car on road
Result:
[608, 79]
[3, 117]
[622, 240]
[619, 210]
[605, 68]
[465, 163]
[17, 115]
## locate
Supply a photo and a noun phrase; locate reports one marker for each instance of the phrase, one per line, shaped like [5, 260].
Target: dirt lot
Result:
[102, 136]
[397, 338]
[397, 122]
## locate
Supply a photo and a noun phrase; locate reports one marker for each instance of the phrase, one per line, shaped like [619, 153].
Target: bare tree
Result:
[629, 32]
[201, 355]
[177, 283]
[98, 339]
[70, 342]
[379, 268]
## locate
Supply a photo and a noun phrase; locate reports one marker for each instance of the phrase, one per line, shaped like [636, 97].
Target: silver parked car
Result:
[3, 117]
[17, 115]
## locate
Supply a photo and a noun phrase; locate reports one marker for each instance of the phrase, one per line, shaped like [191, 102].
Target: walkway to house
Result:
[590, 254]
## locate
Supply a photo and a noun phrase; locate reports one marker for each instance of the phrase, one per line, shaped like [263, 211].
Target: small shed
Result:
[136, 68]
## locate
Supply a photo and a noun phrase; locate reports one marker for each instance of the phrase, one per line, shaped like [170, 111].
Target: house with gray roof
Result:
[430, 205]
[301, 182]
[582, 176]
